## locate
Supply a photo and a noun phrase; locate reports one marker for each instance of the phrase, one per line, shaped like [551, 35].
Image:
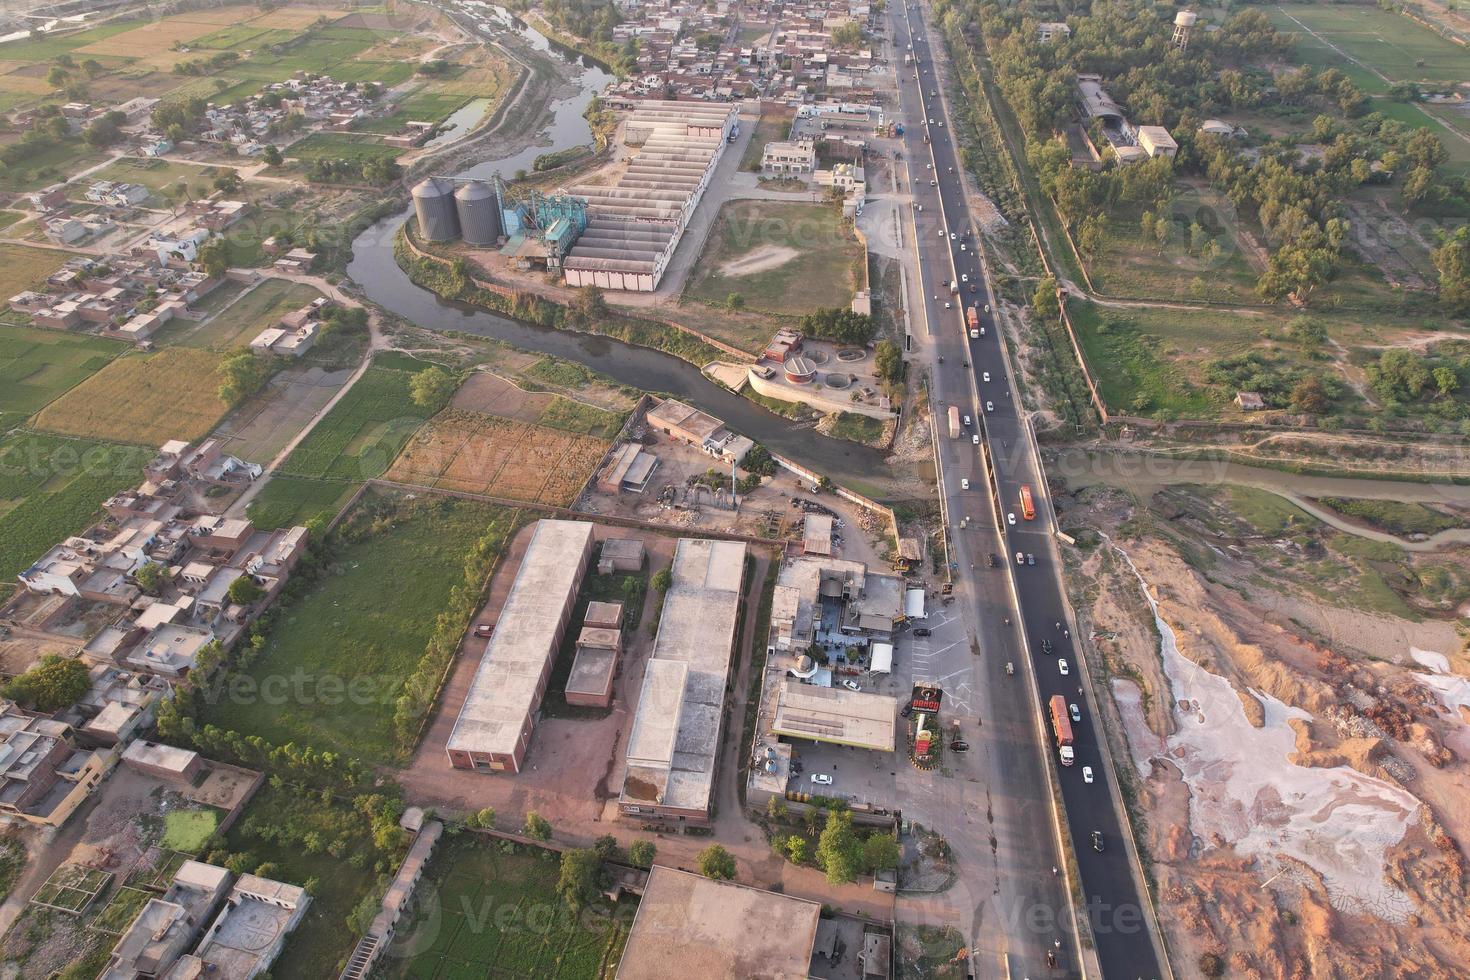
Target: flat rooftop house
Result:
[494, 726]
[834, 714]
[674, 743]
[590, 681]
[816, 535]
[728, 929]
[606, 615]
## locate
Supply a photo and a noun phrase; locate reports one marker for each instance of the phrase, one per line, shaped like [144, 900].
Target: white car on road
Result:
[1076, 712]
[964, 484]
[985, 376]
[1087, 774]
[975, 439]
[821, 779]
[853, 686]
[1011, 519]
[1062, 666]
[990, 406]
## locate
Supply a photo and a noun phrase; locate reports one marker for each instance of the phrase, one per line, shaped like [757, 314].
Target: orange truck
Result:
[1028, 508]
[973, 320]
[1061, 726]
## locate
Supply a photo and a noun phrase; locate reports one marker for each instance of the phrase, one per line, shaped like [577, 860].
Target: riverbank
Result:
[448, 280]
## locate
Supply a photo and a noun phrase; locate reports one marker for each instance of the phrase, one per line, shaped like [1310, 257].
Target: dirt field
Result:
[260, 429]
[1295, 731]
[476, 453]
[491, 394]
[761, 260]
[173, 394]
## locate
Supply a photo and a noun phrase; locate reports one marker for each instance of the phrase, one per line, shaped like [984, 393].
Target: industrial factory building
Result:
[634, 225]
[676, 733]
[618, 236]
[494, 726]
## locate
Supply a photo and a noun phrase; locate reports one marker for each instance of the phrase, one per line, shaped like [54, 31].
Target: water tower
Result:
[1183, 23]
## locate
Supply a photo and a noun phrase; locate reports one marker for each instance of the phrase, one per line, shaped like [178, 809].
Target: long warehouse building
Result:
[675, 739]
[634, 225]
[494, 726]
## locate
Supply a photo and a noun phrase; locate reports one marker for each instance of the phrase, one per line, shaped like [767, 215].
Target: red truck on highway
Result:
[1061, 726]
[973, 320]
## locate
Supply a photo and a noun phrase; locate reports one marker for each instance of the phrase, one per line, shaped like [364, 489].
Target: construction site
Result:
[616, 236]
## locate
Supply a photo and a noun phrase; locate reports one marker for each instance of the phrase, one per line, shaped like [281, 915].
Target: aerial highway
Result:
[1010, 553]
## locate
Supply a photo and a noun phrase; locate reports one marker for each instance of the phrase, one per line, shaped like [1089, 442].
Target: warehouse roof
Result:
[728, 929]
[675, 737]
[505, 685]
[835, 714]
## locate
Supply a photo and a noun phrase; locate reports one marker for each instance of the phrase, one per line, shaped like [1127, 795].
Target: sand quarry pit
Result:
[1246, 791]
[761, 259]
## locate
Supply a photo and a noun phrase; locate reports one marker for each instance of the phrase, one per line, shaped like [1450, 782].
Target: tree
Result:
[797, 849]
[847, 36]
[1308, 396]
[1400, 375]
[151, 578]
[272, 156]
[229, 181]
[715, 862]
[662, 580]
[50, 685]
[241, 375]
[244, 590]
[57, 77]
[590, 304]
[881, 851]
[536, 826]
[735, 302]
[839, 324]
[1446, 381]
[641, 853]
[581, 870]
[486, 818]
[888, 361]
[838, 849]
[1044, 300]
[432, 387]
[214, 257]
[1452, 259]
[606, 847]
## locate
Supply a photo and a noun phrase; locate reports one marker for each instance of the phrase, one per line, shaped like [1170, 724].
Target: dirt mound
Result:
[761, 259]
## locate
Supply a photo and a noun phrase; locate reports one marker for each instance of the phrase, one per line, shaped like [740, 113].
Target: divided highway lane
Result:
[1118, 919]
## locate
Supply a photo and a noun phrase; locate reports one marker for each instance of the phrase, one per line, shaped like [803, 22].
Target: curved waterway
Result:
[375, 270]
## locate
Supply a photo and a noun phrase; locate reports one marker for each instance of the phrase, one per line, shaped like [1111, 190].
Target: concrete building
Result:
[630, 470]
[635, 224]
[689, 425]
[1156, 141]
[379, 935]
[494, 726]
[687, 922]
[247, 935]
[836, 715]
[789, 158]
[833, 597]
[675, 739]
[44, 775]
[621, 555]
[167, 927]
[599, 648]
[1051, 31]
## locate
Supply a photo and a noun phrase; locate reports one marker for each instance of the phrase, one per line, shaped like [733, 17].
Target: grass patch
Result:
[782, 258]
[287, 501]
[361, 627]
[38, 365]
[188, 830]
[121, 910]
[23, 268]
[363, 433]
[574, 416]
[770, 129]
[150, 399]
[262, 307]
[856, 428]
[529, 931]
[1269, 514]
[341, 146]
[1385, 40]
[51, 488]
[1393, 516]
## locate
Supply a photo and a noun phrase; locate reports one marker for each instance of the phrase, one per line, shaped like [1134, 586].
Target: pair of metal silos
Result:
[447, 210]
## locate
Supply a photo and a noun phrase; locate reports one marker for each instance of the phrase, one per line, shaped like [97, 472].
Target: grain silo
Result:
[478, 208]
[433, 202]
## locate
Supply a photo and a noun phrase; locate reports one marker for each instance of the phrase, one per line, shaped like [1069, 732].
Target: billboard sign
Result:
[926, 696]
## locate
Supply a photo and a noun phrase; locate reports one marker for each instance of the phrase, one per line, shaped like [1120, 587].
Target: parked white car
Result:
[821, 779]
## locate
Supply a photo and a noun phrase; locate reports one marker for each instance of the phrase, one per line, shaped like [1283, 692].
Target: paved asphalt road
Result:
[1112, 901]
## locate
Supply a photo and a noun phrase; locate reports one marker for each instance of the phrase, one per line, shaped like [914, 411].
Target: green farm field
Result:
[1386, 42]
[487, 902]
[340, 146]
[51, 488]
[146, 399]
[237, 324]
[782, 258]
[38, 365]
[23, 268]
[362, 626]
[287, 501]
[364, 431]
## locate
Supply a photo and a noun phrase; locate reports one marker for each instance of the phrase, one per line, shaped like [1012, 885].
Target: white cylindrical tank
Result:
[479, 213]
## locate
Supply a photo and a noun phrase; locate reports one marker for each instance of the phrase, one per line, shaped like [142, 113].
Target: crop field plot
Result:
[288, 501]
[149, 38]
[188, 830]
[363, 432]
[21, 268]
[475, 453]
[71, 888]
[261, 307]
[45, 48]
[1385, 41]
[340, 146]
[362, 626]
[259, 430]
[51, 488]
[498, 915]
[121, 910]
[781, 258]
[38, 365]
[157, 870]
[1219, 271]
[151, 399]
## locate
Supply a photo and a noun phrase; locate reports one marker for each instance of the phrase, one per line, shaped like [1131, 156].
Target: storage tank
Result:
[433, 202]
[479, 213]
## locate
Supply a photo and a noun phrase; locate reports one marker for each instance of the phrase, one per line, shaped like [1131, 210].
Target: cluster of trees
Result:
[241, 374]
[178, 120]
[888, 362]
[105, 131]
[374, 170]
[49, 129]
[432, 388]
[206, 66]
[1401, 376]
[52, 684]
[839, 324]
[592, 19]
[1279, 384]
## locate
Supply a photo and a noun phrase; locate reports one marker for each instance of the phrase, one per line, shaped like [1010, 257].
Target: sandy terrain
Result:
[761, 259]
[1301, 799]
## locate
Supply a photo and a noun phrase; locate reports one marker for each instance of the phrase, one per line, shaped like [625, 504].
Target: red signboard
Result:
[927, 697]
